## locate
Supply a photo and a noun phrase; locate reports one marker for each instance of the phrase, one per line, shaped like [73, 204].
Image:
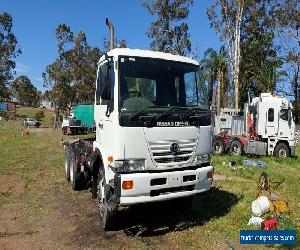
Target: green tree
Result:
[71, 78]
[169, 32]
[286, 18]
[248, 26]
[57, 77]
[122, 43]
[226, 18]
[261, 68]
[214, 71]
[8, 52]
[26, 94]
[82, 60]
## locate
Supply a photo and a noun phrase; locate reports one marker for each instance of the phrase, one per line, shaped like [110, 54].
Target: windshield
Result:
[147, 82]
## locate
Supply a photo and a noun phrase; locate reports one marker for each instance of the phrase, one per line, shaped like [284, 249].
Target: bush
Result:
[4, 115]
[39, 115]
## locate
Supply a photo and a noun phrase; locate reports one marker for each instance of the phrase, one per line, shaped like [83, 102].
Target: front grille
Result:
[162, 154]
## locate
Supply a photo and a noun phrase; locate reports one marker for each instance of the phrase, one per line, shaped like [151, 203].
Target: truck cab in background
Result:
[271, 123]
[268, 129]
[153, 129]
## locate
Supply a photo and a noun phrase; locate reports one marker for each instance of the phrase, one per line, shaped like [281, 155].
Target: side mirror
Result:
[290, 117]
[109, 108]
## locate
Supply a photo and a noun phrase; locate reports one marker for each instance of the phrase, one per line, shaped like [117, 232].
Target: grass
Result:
[48, 203]
[24, 112]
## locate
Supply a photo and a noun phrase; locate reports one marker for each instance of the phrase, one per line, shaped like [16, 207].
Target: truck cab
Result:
[266, 128]
[153, 129]
[274, 123]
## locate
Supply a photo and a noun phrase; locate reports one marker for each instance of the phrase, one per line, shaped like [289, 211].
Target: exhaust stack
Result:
[112, 34]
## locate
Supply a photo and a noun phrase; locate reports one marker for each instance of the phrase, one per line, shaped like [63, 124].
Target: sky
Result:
[34, 23]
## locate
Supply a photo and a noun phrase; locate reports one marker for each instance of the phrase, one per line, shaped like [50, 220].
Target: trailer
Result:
[266, 128]
[153, 133]
[81, 120]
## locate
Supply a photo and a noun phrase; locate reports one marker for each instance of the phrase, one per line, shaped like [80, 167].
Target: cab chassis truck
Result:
[269, 130]
[153, 132]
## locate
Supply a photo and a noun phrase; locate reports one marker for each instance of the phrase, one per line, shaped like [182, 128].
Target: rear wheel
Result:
[218, 147]
[282, 150]
[236, 148]
[75, 178]
[107, 209]
[67, 164]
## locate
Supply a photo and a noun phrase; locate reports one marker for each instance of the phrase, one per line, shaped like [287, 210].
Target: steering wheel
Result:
[135, 93]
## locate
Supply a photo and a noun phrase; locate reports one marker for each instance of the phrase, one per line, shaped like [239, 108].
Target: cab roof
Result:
[148, 54]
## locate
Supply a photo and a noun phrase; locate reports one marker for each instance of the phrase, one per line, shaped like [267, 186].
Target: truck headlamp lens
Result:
[130, 165]
[204, 157]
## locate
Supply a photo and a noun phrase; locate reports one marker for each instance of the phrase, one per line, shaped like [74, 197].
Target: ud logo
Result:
[174, 148]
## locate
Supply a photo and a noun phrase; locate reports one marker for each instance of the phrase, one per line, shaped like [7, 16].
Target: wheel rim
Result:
[218, 148]
[282, 152]
[71, 171]
[236, 149]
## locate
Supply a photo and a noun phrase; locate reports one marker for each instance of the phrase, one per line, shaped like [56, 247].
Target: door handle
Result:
[100, 125]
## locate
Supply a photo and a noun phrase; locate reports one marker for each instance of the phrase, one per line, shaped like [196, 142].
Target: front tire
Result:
[236, 148]
[107, 209]
[218, 147]
[282, 150]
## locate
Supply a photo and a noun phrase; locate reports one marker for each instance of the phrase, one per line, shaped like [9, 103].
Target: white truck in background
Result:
[153, 132]
[266, 128]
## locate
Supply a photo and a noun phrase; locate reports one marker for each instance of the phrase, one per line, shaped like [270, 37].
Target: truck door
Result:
[271, 125]
[284, 128]
[104, 103]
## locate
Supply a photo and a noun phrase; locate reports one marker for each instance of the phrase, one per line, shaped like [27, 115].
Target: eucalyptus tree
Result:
[8, 52]
[169, 31]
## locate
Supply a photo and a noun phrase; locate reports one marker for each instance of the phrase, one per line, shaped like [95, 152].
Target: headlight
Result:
[204, 157]
[130, 165]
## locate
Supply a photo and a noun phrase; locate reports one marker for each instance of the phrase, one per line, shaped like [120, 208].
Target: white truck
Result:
[268, 129]
[153, 132]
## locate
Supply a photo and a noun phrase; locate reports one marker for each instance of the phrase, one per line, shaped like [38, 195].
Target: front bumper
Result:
[151, 187]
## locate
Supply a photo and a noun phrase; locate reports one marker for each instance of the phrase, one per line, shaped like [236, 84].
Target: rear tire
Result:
[67, 164]
[75, 178]
[236, 148]
[282, 150]
[108, 210]
[218, 147]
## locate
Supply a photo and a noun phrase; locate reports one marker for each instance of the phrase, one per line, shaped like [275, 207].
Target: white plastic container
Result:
[260, 206]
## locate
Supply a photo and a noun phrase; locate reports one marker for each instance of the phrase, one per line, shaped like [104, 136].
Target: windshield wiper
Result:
[193, 109]
[169, 111]
[142, 112]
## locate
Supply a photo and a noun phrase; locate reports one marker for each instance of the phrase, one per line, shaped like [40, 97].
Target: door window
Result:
[105, 85]
[271, 115]
[284, 114]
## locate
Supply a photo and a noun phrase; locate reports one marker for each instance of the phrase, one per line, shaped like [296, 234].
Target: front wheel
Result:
[282, 150]
[107, 209]
[236, 148]
[218, 147]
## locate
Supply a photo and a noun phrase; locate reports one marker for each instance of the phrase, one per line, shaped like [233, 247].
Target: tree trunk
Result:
[219, 92]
